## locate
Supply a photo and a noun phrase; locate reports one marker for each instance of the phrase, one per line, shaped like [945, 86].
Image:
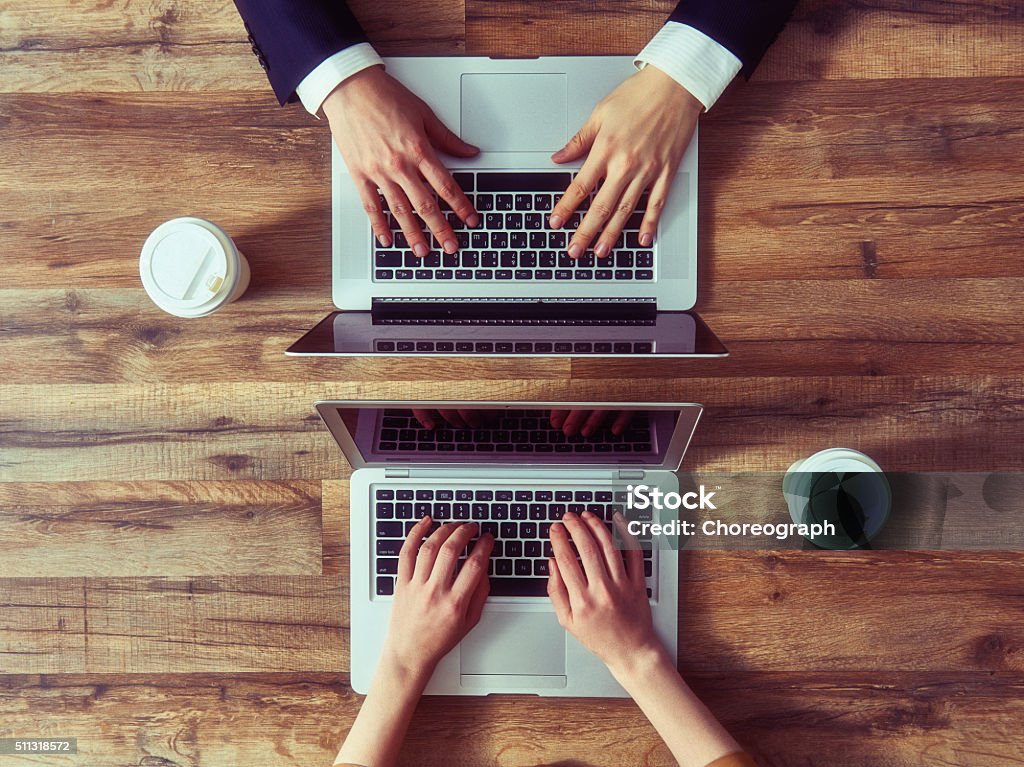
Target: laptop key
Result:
[390, 530]
[517, 587]
[385, 585]
[522, 182]
[389, 547]
[384, 274]
[387, 258]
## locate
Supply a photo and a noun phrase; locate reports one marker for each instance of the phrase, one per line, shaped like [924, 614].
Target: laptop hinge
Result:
[496, 311]
[396, 473]
[630, 474]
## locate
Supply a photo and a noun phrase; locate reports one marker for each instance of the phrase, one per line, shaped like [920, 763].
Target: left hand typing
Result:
[434, 608]
[636, 138]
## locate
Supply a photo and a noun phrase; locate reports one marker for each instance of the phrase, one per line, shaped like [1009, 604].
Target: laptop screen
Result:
[538, 434]
[662, 334]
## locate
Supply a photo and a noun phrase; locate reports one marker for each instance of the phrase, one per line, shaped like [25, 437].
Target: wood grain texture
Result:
[799, 178]
[825, 39]
[270, 431]
[782, 328]
[278, 720]
[141, 625]
[167, 45]
[740, 612]
[160, 528]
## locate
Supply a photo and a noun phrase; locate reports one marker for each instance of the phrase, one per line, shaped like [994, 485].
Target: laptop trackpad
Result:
[515, 643]
[515, 112]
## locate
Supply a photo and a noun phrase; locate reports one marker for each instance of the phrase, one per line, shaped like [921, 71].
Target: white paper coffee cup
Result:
[841, 486]
[190, 267]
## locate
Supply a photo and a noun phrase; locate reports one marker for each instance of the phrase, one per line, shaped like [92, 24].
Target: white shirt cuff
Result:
[691, 58]
[330, 73]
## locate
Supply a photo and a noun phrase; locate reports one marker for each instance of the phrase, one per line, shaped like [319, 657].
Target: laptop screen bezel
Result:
[679, 443]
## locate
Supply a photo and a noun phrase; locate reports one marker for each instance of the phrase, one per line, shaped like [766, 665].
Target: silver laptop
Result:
[504, 466]
[512, 288]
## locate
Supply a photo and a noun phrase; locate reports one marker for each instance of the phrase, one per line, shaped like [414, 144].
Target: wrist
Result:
[671, 87]
[351, 87]
[411, 669]
[632, 669]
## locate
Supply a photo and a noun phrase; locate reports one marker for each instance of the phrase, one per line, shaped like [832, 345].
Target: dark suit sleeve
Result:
[746, 27]
[292, 37]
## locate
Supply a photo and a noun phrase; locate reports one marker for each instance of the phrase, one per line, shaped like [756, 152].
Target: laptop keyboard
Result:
[513, 431]
[515, 347]
[520, 521]
[513, 241]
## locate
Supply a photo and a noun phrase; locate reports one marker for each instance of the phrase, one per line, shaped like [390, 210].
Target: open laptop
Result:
[515, 475]
[512, 288]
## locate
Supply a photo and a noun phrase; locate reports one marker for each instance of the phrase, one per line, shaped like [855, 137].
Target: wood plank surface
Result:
[873, 183]
[169, 45]
[780, 328]
[824, 40]
[270, 431]
[784, 719]
[160, 528]
[137, 625]
[740, 611]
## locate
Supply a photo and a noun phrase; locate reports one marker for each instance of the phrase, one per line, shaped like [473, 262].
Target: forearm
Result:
[377, 733]
[689, 729]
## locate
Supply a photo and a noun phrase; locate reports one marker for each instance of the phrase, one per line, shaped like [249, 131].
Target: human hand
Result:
[388, 138]
[636, 138]
[603, 603]
[433, 607]
[588, 422]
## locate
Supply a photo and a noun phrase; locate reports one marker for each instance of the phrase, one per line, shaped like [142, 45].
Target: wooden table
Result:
[173, 517]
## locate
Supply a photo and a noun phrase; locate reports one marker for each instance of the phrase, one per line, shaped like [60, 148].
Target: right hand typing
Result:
[388, 137]
[603, 603]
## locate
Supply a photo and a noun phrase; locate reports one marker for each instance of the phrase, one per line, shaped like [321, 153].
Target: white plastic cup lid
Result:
[188, 266]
